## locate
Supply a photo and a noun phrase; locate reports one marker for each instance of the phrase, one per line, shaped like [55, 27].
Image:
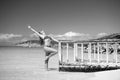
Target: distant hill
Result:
[111, 37]
[29, 43]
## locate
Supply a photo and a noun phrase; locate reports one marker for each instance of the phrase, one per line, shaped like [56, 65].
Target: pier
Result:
[88, 55]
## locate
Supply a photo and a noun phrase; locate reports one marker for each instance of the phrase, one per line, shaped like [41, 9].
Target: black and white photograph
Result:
[59, 39]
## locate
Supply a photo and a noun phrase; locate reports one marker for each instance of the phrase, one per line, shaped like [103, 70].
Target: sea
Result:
[23, 63]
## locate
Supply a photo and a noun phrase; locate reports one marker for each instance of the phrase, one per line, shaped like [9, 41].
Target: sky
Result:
[59, 16]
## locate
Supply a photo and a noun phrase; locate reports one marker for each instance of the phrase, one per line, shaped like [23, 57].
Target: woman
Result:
[49, 51]
[46, 41]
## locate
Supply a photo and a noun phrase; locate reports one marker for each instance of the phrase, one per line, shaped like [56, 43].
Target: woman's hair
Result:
[41, 41]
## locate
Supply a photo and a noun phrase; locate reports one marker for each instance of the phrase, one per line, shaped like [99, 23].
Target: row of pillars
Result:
[89, 51]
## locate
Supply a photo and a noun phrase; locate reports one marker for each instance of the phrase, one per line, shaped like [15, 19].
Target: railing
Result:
[97, 52]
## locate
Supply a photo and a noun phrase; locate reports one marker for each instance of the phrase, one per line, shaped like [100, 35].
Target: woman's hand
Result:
[43, 32]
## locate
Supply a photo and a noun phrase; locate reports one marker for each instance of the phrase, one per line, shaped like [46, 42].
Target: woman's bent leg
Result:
[49, 53]
[52, 54]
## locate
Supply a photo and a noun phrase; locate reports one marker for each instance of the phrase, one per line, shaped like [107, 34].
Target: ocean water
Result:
[17, 63]
[20, 55]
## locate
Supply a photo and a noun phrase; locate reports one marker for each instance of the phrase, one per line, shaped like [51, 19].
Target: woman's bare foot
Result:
[46, 63]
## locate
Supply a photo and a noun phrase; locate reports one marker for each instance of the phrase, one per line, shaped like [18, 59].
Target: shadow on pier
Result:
[87, 69]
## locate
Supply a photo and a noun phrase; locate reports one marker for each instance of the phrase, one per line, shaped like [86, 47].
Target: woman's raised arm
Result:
[40, 35]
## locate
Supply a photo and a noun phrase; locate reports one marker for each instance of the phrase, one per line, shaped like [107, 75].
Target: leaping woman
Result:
[46, 41]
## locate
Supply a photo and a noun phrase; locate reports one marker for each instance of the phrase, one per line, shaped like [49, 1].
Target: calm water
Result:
[19, 55]
[18, 63]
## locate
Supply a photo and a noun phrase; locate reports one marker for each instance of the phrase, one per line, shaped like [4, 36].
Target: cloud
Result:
[72, 34]
[9, 36]
[24, 39]
[33, 35]
[101, 34]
